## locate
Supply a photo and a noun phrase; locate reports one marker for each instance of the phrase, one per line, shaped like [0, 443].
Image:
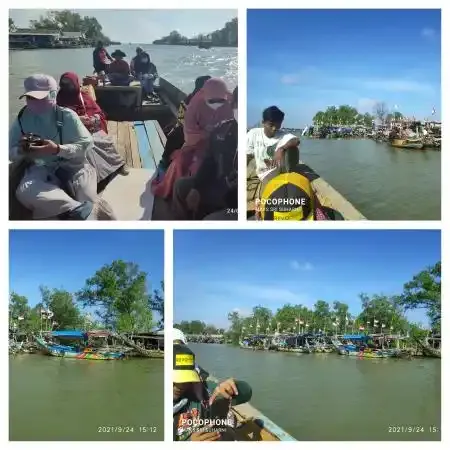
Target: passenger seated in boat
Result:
[70, 96]
[144, 71]
[209, 107]
[119, 70]
[105, 158]
[286, 191]
[180, 339]
[212, 191]
[56, 159]
[194, 399]
[101, 58]
[261, 142]
[175, 137]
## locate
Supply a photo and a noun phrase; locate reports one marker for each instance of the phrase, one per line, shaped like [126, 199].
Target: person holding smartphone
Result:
[195, 400]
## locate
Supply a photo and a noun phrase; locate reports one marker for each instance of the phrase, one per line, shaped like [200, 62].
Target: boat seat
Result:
[119, 98]
[130, 196]
[150, 143]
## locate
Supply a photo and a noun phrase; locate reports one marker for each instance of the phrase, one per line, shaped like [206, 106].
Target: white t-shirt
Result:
[262, 147]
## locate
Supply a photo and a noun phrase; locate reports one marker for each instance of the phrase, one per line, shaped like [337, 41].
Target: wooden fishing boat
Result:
[407, 143]
[138, 128]
[78, 350]
[69, 351]
[294, 349]
[327, 195]
[368, 353]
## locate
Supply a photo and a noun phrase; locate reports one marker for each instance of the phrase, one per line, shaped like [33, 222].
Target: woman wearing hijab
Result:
[56, 163]
[105, 158]
[175, 137]
[71, 96]
[210, 106]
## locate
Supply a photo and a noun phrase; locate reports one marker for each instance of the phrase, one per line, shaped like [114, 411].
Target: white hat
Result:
[39, 86]
[178, 335]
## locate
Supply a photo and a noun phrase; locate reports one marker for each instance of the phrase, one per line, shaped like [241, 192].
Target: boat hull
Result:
[405, 143]
[65, 351]
[255, 426]
[358, 354]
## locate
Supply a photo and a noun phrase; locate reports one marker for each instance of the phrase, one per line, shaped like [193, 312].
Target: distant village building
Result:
[71, 37]
[28, 39]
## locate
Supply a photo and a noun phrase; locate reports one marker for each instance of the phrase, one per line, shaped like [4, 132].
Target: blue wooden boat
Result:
[361, 350]
[77, 350]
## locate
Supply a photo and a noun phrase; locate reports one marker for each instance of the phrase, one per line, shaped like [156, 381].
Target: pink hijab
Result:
[200, 119]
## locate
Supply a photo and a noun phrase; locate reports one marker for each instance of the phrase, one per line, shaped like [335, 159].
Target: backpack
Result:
[286, 196]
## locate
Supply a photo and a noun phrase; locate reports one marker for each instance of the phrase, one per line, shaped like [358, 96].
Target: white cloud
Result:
[303, 76]
[290, 79]
[301, 266]
[242, 312]
[259, 293]
[428, 33]
[398, 85]
[366, 104]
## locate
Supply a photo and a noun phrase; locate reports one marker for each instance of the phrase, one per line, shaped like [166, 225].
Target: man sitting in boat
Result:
[144, 71]
[180, 339]
[175, 137]
[209, 107]
[105, 158]
[53, 141]
[101, 58]
[212, 191]
[261, 142]
[194, 400]
[286, 190]
[119, 70]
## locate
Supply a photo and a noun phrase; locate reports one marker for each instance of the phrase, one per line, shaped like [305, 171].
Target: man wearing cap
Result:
[196, 401]
[56, 157]
[179, 338]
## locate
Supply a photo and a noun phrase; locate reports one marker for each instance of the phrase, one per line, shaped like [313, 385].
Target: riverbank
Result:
[196, 44]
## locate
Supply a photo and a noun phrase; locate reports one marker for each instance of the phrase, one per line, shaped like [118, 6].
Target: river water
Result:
[332, 397]
[66, 399]
[382, 182]
[180, 65]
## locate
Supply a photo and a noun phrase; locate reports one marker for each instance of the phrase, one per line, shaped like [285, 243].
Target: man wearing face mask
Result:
[144, 71]
[211, 193]
[56, 156]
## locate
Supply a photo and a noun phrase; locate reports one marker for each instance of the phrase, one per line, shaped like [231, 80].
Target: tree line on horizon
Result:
[67, 20]
[225, 37]
[379, 313]
[346, 115]
[117, 292]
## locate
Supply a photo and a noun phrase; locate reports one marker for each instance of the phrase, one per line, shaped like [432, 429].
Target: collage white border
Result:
[241, 5]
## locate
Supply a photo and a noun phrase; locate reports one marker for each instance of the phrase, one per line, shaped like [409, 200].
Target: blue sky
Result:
[65, 259]
[216, 272]
[143, 26]
[306, 60]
